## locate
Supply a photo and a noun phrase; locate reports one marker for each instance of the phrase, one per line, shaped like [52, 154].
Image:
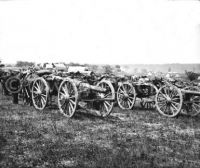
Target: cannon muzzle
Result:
[13, 84]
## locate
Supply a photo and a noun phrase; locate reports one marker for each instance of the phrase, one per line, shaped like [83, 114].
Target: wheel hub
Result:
[101, 96]
[126, 96]
[39, 92]
[67, 97]
[168, 99]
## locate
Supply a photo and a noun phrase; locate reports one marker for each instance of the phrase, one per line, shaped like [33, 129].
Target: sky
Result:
[100, 31]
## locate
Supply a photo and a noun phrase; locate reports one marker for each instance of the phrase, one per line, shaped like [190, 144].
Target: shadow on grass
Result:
[84, 115]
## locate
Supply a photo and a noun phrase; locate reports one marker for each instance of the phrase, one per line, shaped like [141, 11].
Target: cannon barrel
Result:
[82, 85]
[92, 87]
[191, 92]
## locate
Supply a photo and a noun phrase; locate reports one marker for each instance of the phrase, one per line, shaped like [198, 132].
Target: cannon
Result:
[120, 83]
[176, 97]
[130, 90]
[21, 83]
[44, 87]
[72, 91]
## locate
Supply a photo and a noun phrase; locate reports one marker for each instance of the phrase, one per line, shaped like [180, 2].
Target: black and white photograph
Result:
[99, 83]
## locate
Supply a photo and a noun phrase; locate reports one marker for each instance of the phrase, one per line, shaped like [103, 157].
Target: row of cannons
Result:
[70, 91]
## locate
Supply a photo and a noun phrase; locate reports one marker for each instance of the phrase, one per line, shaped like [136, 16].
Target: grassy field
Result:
[135, 138]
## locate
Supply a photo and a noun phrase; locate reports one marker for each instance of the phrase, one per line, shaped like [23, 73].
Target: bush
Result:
[191, 75]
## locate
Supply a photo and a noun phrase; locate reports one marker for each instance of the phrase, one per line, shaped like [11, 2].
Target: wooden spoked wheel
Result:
[169, 100]
[126, 95]
[107, 98]
[40, 93]
[67, 98]
[149, 101]
[192, 102]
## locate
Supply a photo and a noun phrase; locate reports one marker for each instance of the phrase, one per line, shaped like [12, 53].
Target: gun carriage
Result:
[72, 90]
[141, 89]
[124, 92]
[177, 96]
[21, 83]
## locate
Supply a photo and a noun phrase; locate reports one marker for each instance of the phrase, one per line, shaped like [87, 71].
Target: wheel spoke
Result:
[121, 90]
[64, 90]
[44, 95]
[161, 99]
[66, 107]
[106, 96]
[175, 99]
[161, 103]
[71, 107]
[124, 89]
[122, 103]
[72, 102]
[174, 107]
[195, 108]
[131, 98]
[168, 91]
[164, 109]
[108, 103]
[175, 103]
[37, 88]
[120, 94]
[35, 95]
[130, 101]
[163, 95]
[38, 102]
[173, 94]
[42, 101]
[37, 85]
[61, 93]
[106, 107]
[129, 105]
[168, 109]
[36, 99]
[196, 105]
[63, 105]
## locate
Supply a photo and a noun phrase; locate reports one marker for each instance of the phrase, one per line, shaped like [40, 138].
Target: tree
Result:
[107, 69]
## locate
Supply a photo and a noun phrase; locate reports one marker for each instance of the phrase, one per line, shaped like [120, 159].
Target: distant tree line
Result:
[24, 64]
